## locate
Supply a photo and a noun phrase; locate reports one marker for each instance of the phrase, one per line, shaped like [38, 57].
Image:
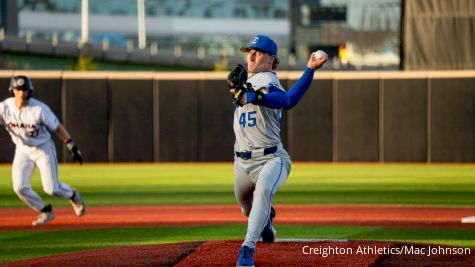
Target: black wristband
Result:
[259, 98]
[68, 141]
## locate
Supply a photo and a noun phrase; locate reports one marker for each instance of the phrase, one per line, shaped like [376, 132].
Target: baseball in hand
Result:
[318, 55]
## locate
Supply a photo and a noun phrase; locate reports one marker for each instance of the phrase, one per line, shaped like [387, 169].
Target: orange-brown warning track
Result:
[140, 216]
[224, 253]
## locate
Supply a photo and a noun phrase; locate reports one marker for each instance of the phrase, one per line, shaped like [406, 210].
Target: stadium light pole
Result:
[401, 36]
[84, 22]
[141, 24]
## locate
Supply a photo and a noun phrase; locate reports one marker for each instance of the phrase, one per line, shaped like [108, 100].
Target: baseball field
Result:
[186, 214]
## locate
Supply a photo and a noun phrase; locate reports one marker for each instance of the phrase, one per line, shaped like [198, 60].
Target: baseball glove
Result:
[237, 79]
[74, 151]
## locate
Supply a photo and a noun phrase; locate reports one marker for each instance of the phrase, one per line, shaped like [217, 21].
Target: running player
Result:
[29, 121]
[261, 163]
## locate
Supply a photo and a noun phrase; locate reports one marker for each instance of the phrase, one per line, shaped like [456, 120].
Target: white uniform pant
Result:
[44, 157]
[255, 183]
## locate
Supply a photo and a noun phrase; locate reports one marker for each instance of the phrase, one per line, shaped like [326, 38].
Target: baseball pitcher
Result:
[29, 122]
[261, 164]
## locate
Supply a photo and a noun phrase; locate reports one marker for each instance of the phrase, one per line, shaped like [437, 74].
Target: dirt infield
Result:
[141, 216]
[152, 255]
[223, 253]
[282, 253]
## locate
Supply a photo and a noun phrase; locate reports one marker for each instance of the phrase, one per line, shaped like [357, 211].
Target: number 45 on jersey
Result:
[248, 119]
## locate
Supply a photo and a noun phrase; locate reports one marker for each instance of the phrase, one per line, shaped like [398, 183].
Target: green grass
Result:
[190, 184]
[193, 184]
[31, 244]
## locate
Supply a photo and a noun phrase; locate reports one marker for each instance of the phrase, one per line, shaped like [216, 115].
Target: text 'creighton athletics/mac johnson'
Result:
[325, 251]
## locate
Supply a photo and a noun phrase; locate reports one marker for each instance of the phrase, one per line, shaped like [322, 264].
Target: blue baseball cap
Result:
[261, 43]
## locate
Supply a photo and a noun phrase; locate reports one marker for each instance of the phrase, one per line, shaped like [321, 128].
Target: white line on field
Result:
[470, 219]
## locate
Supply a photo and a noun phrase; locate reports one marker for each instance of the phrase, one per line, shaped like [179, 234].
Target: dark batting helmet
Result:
[21, 82]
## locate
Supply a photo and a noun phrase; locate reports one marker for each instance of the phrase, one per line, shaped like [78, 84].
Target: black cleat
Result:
[268, 233]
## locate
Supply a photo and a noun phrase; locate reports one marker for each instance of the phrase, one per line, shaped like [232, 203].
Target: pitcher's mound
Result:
[148, 255]
[285, 253]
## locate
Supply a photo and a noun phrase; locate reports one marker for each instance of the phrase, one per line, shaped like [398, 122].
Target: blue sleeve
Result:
[276, 99]
[297, 91]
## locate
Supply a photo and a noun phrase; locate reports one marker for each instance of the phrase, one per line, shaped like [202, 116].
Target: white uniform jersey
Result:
[256, 126]
[29, 125]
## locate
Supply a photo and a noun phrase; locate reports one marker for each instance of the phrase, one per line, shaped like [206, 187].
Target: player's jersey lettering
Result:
[31, 129]
[21, 125]
[248, 119]
[31, 125]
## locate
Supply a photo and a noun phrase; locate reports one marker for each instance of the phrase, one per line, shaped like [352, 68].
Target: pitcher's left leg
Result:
[272, 176]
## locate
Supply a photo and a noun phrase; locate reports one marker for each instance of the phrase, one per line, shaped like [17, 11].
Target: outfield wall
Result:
[187, 116]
